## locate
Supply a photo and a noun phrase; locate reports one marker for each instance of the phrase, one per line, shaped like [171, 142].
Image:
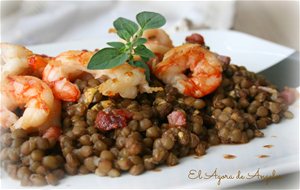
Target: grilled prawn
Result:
[192, 69]
[41, 109]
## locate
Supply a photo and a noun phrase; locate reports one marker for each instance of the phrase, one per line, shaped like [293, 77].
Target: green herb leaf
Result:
[117, 45]
[145, 67]
[134, 45]
[124, 35]
[143, 51]
[107, 58]
[150, 20]
[131, 62]
[139, 41]
[145, 59]
[127, 25]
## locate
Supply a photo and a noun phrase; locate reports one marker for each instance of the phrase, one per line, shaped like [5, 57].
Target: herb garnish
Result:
[131, 32]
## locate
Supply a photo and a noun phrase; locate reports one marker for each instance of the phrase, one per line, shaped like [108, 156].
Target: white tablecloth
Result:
[35, 22]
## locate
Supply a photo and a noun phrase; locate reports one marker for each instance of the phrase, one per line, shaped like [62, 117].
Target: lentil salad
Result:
[234, 113]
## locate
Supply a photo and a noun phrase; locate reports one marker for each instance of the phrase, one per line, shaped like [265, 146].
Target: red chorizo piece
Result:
[112, 119]
[52, 133]
[224, 59]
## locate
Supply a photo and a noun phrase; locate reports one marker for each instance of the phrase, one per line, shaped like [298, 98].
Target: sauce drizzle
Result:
[268, 146]
[263, 156]
[229, 156]
[156, 170]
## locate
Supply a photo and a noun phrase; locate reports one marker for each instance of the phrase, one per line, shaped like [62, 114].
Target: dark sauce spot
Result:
[268, 146]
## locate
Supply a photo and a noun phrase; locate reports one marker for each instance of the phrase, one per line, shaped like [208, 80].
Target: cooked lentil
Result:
[25, 161]
[233, 114]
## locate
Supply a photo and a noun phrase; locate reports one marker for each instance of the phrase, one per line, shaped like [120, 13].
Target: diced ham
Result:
[224, 59]
[177, 118]
[195, 39]
[289, 95]
[52, 133]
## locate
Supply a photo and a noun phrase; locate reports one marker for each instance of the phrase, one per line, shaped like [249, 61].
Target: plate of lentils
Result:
[183, 111]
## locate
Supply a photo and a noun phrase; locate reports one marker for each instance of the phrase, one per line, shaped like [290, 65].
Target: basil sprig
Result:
[131, 32]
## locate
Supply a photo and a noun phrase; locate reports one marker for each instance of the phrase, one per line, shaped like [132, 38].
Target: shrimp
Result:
[64, 68]
[125, 80]
[7, 118]
[41, 109]
[158, 41]
[37, 64]
[14, 59]
[18, 60]
[204, 67]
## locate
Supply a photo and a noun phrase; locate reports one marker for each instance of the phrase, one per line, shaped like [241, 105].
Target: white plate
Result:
[254, 53]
